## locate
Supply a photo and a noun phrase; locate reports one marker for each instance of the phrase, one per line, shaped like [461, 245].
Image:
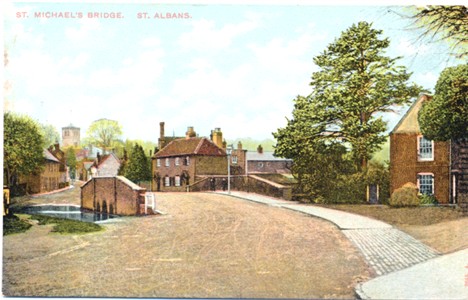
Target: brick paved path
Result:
[389, 250]
[385, 248]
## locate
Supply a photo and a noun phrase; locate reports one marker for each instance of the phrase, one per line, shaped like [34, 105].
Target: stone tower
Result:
[70, 136]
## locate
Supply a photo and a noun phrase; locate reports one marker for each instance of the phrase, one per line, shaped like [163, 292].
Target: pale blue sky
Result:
[237, 67]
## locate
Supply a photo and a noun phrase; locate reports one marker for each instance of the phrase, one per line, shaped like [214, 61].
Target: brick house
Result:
[105, 165]
[266, 162]
[49, 178]
[185, 160]
[415, 159]
[60, 155]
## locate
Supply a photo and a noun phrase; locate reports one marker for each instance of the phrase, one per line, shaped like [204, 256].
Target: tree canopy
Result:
[23, 147]
[104, 133]
[445, 117]
[355, 83]
[50, 134]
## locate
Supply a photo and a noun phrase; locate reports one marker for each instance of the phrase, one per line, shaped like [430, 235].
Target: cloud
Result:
[87, 28]
[205, 36]
[292, 56]
[138, 73]
[427, 80]
[406, 48]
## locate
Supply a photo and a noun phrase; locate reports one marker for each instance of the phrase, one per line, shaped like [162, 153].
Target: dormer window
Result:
[425, 149]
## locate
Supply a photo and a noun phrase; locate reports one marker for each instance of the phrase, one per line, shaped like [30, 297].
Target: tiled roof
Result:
[190, 146]
[50, 156]
[265, 156]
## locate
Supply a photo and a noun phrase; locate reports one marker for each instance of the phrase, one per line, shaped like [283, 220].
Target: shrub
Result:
[407, 195]
[428, 200]
[12, 224]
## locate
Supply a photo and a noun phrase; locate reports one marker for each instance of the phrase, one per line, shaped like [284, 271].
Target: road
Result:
[205, 245]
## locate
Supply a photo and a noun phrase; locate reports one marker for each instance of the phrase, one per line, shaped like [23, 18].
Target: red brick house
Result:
[415, 159]
[183, 161]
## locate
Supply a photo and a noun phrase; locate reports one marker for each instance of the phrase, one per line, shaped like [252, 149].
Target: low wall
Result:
[250, 184]
[114, 195]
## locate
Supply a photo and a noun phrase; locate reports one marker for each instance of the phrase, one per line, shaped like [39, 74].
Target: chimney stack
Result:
[161, 130]
[218, 137]
[260, 149]
[57, 147]
[239, 146]
[190, 133]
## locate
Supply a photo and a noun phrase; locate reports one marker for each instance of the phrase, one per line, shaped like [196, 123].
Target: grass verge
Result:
[67, 225]
[12, 224]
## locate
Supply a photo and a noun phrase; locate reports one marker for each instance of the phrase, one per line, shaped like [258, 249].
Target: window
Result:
[158, 162]
[260, 165]
[425, 149]
[167, 162]
[426, 183]
[234, 159]
[177, 181]
[177, 161]
[167, 181]
[187, 161]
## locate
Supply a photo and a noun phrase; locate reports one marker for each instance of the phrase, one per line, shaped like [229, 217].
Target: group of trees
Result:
[24, 142]
[335, 130]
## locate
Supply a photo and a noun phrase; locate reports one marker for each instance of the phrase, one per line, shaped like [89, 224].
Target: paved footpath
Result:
[385, 248]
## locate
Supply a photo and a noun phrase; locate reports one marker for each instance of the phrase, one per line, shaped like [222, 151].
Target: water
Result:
[73, 212]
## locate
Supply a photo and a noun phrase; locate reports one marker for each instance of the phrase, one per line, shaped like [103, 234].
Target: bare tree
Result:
[448, 23]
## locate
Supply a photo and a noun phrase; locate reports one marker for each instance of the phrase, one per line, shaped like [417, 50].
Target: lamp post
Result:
[228, 152]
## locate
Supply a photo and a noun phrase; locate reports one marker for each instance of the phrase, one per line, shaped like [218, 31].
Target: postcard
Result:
[223, 149]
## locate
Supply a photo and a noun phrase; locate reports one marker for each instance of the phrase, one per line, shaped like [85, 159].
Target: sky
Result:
[233, 66]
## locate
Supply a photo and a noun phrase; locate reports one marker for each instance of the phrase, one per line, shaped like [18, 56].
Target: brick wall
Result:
[459, 166]
[115, 195]
[404, 164]
[211, 165]
[250, 184]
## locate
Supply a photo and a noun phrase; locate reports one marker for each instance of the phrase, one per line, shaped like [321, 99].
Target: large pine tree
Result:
[355, 83]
